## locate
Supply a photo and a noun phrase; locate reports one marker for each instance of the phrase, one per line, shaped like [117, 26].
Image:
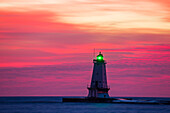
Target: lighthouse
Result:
[98, 87]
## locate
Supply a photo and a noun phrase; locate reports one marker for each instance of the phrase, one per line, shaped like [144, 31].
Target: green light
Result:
[99, 58]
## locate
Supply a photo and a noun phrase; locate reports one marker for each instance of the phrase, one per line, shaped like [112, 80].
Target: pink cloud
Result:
[31, 22]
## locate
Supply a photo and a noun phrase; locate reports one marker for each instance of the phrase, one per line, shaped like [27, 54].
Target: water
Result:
[54, 105]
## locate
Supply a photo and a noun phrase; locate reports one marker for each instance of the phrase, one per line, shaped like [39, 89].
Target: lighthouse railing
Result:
[89, 86]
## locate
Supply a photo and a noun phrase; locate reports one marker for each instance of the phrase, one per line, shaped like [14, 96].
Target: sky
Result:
[46, 46]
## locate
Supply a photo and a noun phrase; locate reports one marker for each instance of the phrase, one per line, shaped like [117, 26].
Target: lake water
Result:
[54, 105]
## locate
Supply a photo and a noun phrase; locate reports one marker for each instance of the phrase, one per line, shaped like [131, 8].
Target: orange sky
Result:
[102, 16]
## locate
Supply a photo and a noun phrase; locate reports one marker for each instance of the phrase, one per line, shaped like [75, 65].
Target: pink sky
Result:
[46, 46]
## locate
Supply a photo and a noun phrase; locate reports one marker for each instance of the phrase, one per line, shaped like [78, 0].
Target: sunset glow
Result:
[46, 46]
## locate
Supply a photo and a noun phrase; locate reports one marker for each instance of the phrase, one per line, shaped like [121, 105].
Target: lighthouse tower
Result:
[98, 87]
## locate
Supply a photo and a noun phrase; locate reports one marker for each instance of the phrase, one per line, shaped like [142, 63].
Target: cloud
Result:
[149, 70]
[49, 45]
[31, 22]
[102, 16]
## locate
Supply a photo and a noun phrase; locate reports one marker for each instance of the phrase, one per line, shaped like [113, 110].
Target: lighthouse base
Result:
[92, 100]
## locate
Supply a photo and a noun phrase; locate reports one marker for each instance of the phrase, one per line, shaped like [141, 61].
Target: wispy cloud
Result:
[104, 15]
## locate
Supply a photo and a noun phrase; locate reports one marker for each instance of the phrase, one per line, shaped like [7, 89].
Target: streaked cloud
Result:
[104, 16]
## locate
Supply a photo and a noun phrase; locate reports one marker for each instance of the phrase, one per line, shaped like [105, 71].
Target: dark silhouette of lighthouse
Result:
[98, 87]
